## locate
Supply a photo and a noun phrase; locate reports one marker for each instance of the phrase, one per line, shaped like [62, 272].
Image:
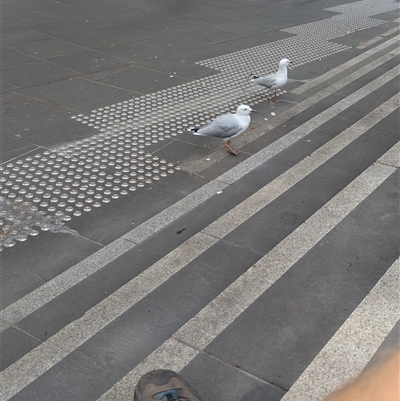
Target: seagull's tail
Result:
[194, 131]
[254, 76]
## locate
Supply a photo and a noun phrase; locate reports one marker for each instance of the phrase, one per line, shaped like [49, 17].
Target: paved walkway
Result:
[130, 245]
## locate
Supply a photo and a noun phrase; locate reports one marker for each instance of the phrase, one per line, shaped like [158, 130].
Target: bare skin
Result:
[381, 383]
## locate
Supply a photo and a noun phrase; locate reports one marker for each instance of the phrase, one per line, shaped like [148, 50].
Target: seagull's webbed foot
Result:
[230, 149]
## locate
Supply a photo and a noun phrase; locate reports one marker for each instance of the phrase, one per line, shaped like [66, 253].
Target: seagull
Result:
[274, 81]
[227, 126]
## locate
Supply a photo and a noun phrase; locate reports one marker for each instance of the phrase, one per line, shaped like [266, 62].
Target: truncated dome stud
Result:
[42, 191]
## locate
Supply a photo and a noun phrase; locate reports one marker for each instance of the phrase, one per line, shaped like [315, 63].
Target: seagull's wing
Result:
[268, 81]
[223, 126]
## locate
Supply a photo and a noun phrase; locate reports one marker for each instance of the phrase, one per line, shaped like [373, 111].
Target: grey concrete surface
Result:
[134, 232]
[345, 284]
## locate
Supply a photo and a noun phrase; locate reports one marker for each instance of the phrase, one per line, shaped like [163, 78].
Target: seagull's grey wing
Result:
[269, 81]
[223, 126]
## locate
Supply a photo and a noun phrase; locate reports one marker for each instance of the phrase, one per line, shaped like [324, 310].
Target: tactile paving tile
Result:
[45, 191]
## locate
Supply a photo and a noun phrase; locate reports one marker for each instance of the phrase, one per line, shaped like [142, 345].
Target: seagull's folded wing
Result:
[269, 81]
[223, 126]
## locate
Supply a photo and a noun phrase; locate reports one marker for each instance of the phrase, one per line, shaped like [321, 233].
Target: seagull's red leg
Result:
[230, 150]
[273, 101]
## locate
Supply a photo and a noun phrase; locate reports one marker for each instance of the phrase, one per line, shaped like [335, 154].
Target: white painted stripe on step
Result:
[172, 354]
[378, 38]
[200, 331]
[391, 158]
[206, 162]
[298, 133]
[75, 334]
[239, 214]
[55, 287]
[33, 301]
[225, 308]
[354, 344]
[46, 355]
[343, 67]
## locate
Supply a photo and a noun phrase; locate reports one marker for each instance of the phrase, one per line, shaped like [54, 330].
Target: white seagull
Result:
[274, 81]
[227, 126]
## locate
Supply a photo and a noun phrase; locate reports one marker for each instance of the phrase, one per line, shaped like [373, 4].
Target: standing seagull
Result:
[274, 81]
[227, 126]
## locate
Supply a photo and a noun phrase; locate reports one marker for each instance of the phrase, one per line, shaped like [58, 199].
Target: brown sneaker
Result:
[164, 385]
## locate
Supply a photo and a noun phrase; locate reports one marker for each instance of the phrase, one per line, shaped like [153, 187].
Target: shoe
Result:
[164, 385]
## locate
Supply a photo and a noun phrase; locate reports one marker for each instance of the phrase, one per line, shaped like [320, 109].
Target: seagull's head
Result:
[244, 110]
[284, 63]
